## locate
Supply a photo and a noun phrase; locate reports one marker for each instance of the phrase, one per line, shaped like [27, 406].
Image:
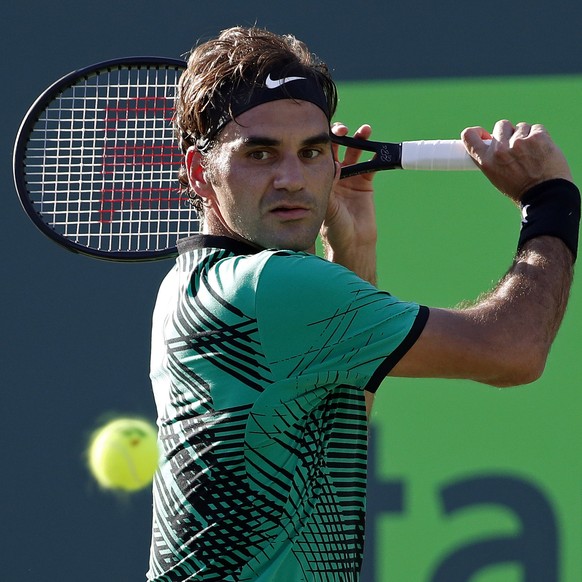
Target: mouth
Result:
[291, 212]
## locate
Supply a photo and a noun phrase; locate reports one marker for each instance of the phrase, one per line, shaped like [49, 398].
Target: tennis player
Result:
[265, 355]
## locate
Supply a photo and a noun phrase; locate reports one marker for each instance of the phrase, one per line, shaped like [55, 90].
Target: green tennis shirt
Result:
[259, 365]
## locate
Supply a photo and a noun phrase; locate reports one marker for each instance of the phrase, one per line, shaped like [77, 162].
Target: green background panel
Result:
[447, 237]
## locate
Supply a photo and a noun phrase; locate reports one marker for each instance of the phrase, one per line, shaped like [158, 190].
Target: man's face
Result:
[271, 175]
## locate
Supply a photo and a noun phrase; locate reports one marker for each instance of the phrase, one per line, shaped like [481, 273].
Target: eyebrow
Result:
[257, 140]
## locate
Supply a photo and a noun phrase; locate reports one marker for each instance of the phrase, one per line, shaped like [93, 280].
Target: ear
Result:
[196, 175]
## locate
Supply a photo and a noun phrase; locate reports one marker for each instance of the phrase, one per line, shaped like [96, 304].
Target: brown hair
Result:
[237, 56]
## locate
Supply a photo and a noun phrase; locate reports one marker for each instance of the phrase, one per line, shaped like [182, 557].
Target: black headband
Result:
[300, 86]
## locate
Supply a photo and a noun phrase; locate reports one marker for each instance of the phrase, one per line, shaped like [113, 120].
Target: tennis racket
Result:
[437, 154]
[96, 161]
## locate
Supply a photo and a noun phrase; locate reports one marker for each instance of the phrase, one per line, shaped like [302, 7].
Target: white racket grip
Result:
[436, 154]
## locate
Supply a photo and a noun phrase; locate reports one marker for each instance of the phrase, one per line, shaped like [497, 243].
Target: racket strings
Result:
[102, 163]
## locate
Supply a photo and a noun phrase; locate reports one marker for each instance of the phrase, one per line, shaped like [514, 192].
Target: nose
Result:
[289, 174]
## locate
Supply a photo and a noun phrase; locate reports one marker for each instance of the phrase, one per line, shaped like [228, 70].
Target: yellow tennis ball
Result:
[123, 454]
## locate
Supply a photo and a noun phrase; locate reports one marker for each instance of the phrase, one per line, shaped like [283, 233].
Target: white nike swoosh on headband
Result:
[274, 83]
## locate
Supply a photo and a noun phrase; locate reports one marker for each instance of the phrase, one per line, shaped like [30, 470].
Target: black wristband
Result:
[551, 208]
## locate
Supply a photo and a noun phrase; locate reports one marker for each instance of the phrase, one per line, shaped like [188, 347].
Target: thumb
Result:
[477, 141]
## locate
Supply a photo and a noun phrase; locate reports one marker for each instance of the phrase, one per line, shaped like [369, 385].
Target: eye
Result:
[259, 155]
[310, 153]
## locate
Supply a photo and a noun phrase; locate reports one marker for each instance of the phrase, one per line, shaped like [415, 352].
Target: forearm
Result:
[523, 313]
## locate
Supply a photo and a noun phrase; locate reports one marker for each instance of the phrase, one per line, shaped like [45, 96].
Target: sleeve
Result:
[317, 317]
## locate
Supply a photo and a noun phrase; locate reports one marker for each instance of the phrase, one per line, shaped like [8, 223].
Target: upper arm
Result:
[331, 320]
[473, 345]
[505, 338]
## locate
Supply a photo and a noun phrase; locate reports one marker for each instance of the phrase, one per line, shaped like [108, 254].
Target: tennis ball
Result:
[123, 454]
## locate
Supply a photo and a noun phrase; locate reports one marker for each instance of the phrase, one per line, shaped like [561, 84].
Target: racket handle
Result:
[438, 154]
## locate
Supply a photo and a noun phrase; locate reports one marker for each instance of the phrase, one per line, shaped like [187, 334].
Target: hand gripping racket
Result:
[96, 161]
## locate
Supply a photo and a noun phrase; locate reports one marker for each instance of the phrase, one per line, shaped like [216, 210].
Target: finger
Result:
[474, 139]
[364, 132]
[352, 155]
[503, 130]
[534, 130]
[522, 130]
[538, 128]
[338, 129]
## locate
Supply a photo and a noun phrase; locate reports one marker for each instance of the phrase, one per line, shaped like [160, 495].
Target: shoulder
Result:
[296, 270]
[290, 282]
[287, 269]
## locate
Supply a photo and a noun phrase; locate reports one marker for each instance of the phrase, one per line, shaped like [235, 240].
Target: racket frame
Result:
[387, 155]
[26, 127]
